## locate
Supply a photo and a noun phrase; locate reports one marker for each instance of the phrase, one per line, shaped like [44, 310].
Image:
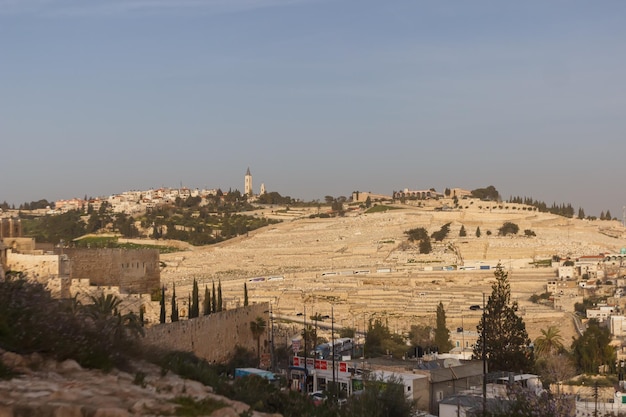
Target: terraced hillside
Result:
[363, 265]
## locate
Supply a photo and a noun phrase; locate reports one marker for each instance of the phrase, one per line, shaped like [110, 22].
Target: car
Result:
[318, 397]
[474, 307]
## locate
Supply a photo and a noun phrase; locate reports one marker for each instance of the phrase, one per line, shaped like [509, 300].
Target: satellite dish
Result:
[448, 363]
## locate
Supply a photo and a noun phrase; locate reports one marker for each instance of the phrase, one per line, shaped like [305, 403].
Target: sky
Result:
[316, 97]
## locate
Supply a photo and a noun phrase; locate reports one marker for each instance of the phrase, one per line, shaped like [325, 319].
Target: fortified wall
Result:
[35, 266]
[213, 337]
[134, 271]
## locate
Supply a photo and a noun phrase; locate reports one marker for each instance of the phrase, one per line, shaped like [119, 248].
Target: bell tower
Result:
[247, 188]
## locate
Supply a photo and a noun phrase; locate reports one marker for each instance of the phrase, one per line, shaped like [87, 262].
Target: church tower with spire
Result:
[247, 188]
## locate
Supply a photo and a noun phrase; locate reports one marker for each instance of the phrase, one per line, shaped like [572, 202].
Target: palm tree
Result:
[309, 334]
[108, 320]
[550, 341]
[257, 327]
[103, 307]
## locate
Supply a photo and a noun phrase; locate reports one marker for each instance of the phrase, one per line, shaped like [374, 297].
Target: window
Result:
[439, 395]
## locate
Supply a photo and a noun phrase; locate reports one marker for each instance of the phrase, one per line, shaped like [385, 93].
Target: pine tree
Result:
[462, 232]
[442, 334]
[219, 296]
[174, 315]
[162, 316]
[194, 309]
[478, 231]
[206, 303]
[502, 332]
[214, 299]
[608, 216]
[581, 213]
[245, 294]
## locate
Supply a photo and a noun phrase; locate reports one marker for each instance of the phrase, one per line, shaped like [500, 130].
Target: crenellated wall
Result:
[213, 337]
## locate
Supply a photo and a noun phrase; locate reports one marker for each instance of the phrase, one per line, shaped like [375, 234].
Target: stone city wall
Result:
[212, 337]
[135, 271]
[36, 266]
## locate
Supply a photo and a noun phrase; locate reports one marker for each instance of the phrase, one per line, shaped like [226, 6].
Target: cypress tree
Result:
[442, 334]
[174, 307]
[478, 231]
[214, 299]
[194, 309]
[162, 316]
[219, 296]
[206, 303]
[245, 294]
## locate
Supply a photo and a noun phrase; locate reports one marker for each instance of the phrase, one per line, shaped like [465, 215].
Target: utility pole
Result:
[595, 399]
[272, 354]
[306, 367]
[332, 333]
[484, 355]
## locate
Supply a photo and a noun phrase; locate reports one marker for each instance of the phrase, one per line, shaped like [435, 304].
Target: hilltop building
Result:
[247, 187]
[362, 196]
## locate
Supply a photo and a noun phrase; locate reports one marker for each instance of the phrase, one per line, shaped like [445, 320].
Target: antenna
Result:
[624, 216]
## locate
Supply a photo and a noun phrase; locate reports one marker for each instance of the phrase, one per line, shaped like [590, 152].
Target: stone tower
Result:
[247, 188]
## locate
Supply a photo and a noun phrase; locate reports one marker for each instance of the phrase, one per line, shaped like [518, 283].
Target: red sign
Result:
[296, 361]
[343, 367]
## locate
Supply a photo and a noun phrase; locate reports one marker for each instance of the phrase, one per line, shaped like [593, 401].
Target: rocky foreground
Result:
[64, 389]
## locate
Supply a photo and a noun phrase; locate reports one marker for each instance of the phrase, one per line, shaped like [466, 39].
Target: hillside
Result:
[301, 250]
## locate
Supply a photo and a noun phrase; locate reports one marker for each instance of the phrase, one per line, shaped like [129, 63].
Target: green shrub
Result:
[32, 321]
[190, 407]
[508, 228]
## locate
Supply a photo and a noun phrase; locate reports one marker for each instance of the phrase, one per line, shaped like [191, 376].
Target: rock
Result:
[13, 360]
[6, 411]
[194, 389]
[69, 365]
[35, 360]
[68, 411]
[225, 412]
[111, 412]
[152, 407]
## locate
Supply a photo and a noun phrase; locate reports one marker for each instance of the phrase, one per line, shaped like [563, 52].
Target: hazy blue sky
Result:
[317, 97]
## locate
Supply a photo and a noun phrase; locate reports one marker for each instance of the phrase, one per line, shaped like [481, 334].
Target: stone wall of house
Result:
[134, 271]
[213, 337]
[21, 245]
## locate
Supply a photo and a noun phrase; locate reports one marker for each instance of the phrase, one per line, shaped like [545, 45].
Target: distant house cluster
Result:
[431, 194]
[131, 202]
